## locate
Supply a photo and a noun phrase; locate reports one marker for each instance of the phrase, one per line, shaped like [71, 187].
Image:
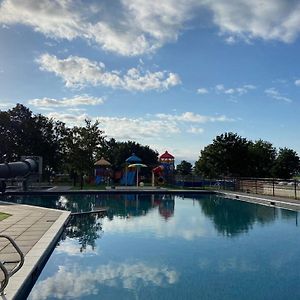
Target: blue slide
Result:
[98, 180]
[130, 178]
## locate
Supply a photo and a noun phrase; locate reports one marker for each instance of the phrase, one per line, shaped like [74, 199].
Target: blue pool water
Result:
[171, 247]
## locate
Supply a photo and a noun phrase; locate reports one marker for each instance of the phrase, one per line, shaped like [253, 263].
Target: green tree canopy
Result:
[23, 133]
[262, 158]
[184, 168]
[287, 164]
[82, 145]
[232, 155]
[228, 155]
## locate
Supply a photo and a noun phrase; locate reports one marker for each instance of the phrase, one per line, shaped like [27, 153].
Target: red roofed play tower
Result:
[167, 160]
[165, 171]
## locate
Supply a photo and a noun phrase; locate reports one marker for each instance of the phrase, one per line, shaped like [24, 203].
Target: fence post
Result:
[273, 187]
[295, 185]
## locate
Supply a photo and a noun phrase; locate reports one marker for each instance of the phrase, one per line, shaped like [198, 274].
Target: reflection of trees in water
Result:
[289, 214]
[123, 205]
[49, 201]
[232, 217]
[85, 228]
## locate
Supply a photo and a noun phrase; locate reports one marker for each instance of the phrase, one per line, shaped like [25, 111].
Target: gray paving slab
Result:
[36, 231]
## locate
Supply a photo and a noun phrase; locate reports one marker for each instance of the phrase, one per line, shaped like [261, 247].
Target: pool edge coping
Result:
[260, 199]
[35, 259]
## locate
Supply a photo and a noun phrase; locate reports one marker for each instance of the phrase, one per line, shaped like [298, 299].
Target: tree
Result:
[262, 156]
[23, 133]
[228, 155]
[184, 168]
[82, 145]
[287, 164]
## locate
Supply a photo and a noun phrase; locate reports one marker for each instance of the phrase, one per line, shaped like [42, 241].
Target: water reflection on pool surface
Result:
[171, 247]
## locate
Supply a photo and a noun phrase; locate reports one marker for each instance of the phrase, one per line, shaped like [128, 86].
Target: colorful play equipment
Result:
[165, 171]
[128, 177]
[137, 167]
[102, 171]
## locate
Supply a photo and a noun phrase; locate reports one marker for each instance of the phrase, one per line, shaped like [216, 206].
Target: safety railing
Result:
[288, 188]
[19, 263]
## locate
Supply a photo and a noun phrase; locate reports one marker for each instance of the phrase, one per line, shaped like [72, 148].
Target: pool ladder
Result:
[19, 262]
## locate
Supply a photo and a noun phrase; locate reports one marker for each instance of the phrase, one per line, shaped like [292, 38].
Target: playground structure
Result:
[129, 177]
[165, 171]
[103, 171]
[20, 171]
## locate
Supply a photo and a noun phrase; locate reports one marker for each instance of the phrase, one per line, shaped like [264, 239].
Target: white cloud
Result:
[268, 20]
[273, 93]
[76, 282]
[159, 126]
[195, 130]
[127, 27]
[230, 40]
[79, 72]
[236, 91]
[135, 27]
[202, 91]
[129, 128]
[220, 87]
[123, 128]
[229, 91]
[68, 118]
[5, 105]
[64, 102]
[297, 82]
[194, 118]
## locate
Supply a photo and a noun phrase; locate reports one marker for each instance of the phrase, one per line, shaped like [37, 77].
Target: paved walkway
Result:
[288, 203]
[35, 230]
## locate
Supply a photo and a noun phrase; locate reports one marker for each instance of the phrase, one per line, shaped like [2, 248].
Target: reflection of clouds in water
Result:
[181, 225]
[234, 264]
[76, 282]
[72, 247]
[231, 264]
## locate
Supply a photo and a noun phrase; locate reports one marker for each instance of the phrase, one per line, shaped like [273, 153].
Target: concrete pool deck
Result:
[273, 201]
[36, 231]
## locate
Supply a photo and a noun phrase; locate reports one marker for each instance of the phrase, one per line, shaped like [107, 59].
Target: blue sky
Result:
[169, 74]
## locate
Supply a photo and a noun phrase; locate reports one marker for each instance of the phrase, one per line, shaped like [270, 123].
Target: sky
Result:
[170, 74]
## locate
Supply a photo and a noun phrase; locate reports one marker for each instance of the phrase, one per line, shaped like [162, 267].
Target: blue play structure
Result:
[99, 179]
[130, 178]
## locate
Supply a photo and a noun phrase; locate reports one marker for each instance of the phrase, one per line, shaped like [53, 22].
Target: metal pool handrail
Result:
[19, 262]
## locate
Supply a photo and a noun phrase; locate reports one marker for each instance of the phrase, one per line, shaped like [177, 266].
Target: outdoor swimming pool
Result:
[171, 247]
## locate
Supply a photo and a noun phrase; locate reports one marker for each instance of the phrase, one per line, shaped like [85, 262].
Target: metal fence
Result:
[263, 186]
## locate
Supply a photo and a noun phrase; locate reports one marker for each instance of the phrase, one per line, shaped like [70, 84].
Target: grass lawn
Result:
[3, 216]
